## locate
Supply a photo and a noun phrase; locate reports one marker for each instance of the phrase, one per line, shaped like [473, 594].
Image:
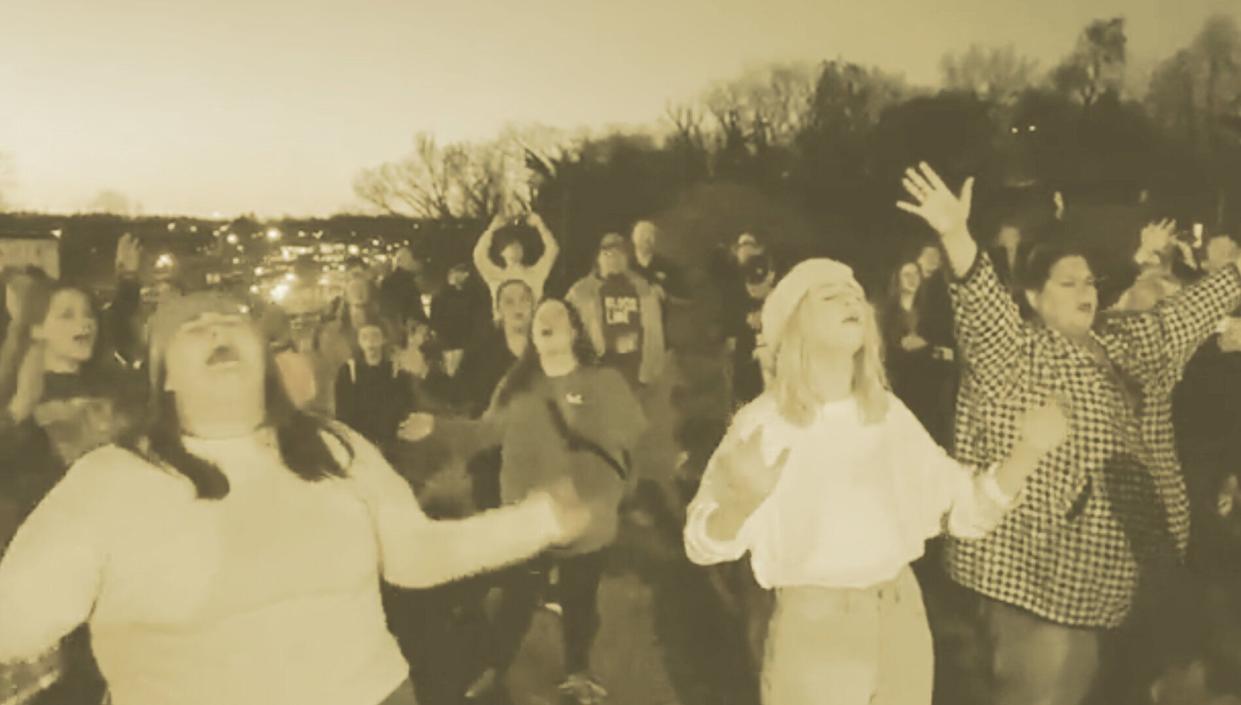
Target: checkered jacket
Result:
[1112, 497]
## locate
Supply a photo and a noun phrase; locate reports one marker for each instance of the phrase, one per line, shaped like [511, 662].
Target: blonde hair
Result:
[786, 373]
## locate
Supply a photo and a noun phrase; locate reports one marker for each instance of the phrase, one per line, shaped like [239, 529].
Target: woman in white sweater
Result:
[234, 553]
[833, 487]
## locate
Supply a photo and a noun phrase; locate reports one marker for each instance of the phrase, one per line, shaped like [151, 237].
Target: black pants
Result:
[577, 593]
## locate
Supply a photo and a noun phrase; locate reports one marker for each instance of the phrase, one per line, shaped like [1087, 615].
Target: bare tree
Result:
[460, 180]
[764, 106]
[1193, 90]
[1097, 65]
[418, 185]
[993, 73]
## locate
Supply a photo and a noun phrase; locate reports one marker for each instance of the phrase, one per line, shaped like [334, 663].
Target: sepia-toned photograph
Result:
[658, 352]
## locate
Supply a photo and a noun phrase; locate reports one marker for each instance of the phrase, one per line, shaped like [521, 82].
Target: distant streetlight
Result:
[57, 233]
[164, 261]
[354, 250]
[273, 234]
[172, 226]
[232, 238]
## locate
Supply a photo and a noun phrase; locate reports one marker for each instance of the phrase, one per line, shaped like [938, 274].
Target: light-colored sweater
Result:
[854, 504]
[268, 596]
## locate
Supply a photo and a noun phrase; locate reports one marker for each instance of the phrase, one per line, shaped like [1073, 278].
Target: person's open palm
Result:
[746, 473]
[1157, 236]
[946, 212]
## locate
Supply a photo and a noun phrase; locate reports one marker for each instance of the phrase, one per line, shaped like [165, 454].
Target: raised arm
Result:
[967, 502]
[417, 552]
[1160, 342]
[51, 573]
[990, 332]
[551, 249]
[488, 270]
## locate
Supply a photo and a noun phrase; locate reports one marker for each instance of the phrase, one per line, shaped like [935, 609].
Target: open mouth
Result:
[223, 355]
[1086, 308]
[84, 338]
[853, 319]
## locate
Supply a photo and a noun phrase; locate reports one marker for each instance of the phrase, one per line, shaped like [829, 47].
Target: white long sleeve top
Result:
[268, 596]
[854, 504]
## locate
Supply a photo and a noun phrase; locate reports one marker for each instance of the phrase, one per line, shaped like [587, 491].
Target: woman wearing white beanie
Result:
[833, 487]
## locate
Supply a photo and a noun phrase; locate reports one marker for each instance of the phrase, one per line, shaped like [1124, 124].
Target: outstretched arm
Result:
[973, 503]
[1161, 341]
[417, 552]
[51, 573]
[990, 332]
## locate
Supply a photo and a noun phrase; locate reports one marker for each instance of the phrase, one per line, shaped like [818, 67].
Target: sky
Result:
[198, 107]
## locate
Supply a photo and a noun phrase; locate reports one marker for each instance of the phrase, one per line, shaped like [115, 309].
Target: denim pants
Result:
[844, 646]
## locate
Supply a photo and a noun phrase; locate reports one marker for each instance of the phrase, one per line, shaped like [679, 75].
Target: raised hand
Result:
[1045, 427]
[1157, 237]
[416, 427]
[497, 221]
[29, 390]
[535, 220]
[128, 254]
[947, 213]
[746, 474]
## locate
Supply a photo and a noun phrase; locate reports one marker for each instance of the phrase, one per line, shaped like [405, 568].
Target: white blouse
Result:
[854, 504]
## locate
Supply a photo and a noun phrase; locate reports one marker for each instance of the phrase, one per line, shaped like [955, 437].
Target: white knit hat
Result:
[789, 292]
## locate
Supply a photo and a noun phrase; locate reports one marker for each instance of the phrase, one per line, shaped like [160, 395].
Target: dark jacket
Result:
[373, 399]
[458, 314]
[400, 299]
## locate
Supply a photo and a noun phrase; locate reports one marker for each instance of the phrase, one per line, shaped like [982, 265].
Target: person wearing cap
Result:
[512, 256]
[622, 314]
[833, 487]
[745, 329]
[233, 550]
[1107, 518]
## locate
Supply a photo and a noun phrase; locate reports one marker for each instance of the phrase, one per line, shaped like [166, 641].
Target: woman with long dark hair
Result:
[555, 415]
[918, 375]
[234, 550]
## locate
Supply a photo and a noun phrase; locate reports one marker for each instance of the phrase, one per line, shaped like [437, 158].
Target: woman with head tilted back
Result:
[832, 486]
[235, 552]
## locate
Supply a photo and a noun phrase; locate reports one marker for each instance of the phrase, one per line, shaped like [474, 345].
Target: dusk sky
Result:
[273, 106]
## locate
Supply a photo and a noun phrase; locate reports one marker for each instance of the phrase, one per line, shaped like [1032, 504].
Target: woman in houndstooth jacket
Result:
[1107, 508]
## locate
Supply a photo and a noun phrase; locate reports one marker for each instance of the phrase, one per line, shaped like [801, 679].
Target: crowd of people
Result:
[208, 497]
